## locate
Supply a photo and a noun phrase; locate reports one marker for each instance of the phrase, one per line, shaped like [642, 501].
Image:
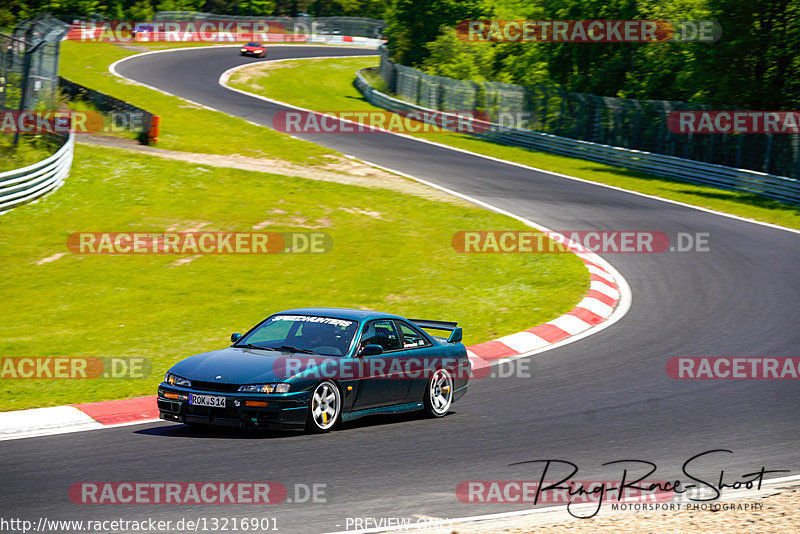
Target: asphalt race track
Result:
[603, 398]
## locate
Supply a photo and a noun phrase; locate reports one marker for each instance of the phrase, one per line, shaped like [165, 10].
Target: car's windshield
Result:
[252, 44]
[327, 336]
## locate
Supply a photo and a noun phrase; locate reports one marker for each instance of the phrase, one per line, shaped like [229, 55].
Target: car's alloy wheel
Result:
[439, 394]
[324, 408]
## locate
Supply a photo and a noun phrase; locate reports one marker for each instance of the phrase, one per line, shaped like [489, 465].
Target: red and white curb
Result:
[77, 417]
[597, 307]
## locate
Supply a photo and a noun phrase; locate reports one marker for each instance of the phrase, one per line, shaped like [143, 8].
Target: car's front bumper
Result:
[287, 411]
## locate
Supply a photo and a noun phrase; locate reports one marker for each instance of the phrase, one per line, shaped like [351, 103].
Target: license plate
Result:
[207, 400]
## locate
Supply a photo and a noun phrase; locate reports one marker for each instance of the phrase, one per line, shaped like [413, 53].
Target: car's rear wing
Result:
[455, 331]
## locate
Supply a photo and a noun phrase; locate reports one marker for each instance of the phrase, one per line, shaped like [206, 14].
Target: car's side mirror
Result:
[455, 335]
[236, 336]
[371, 350]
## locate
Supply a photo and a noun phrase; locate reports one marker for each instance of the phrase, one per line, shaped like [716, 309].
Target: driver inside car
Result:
[321, 338]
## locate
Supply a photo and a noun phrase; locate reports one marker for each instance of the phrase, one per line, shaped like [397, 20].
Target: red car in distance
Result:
[254, 49]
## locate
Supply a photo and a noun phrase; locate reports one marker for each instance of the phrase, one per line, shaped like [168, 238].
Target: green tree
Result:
[756, 63]
[413, 23]
[7, 18]
[141, 10]
[179, 5]
[256, 7]
[455, 58]
[351, 8]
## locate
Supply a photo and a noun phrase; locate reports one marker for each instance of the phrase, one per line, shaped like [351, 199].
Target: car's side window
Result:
[411, 337]
[381, 332]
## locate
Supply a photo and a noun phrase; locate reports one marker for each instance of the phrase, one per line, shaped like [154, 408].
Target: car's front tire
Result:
[438, 393]
[324, 408]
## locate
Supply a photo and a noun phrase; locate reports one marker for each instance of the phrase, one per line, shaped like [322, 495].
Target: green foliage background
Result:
[17, 10]
[754, 65]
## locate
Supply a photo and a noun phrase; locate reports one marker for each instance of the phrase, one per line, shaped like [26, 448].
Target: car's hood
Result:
[243, 366]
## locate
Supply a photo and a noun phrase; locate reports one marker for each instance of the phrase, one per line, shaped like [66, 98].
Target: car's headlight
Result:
[265, 388]
[257, 388]
[174, 380]
[257, 51]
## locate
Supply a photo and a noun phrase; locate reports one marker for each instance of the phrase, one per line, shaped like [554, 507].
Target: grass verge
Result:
[333, 90]
[391, 251]
[184, 126]
[31, 149]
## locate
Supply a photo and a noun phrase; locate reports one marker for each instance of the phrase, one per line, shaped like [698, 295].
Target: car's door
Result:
[382, 382]
[421, 357]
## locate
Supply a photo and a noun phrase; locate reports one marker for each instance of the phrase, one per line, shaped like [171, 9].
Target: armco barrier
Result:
[28, 183]
[128, 113]
[776, 187]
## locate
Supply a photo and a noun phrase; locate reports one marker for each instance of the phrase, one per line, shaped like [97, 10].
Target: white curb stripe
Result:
[523, 342]
[604, 289]
[601, 273]
[595, 306]
[44, 421]
[570, 324]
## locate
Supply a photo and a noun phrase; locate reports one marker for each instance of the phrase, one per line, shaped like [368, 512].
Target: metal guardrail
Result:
[775, 187]
[19, 186]
[119, 109]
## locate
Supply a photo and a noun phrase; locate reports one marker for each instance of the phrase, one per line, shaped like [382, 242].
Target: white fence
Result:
[19, 186]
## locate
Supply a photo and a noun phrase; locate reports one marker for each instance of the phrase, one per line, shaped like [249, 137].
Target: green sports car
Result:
[312, 368]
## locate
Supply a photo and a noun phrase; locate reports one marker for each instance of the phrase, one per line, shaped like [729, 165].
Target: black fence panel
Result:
[620, 122]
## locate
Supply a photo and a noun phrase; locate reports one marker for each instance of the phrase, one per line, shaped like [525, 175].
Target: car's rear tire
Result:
[324, 408]
[438, 393]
